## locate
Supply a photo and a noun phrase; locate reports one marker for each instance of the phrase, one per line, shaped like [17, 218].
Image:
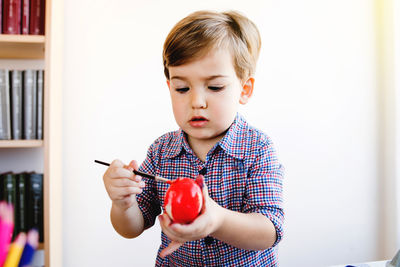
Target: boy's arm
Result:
[251, 231]
[127, 222]
[122, 187]
[132, 199]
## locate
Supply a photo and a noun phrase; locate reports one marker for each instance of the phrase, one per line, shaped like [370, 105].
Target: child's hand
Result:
[122, 184]
[205, 224]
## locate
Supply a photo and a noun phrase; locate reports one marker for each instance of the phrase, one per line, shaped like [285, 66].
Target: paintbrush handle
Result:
[158, 178]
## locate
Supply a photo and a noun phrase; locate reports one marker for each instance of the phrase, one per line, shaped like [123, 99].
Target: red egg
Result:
[183, 200]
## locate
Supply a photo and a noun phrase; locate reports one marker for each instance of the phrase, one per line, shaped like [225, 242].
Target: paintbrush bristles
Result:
[162, 179]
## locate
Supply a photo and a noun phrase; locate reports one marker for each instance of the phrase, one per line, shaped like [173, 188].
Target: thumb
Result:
[132, 165]
[204, 189]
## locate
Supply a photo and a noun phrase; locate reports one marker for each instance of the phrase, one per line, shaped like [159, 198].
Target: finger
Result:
[130, 166]
[117, 163]
[164, 222]
[168, 221]
[133, 165]
[121, 192]
[126, 182]
[200, 180]
[168, 231]
[173, 246]
[192, 231]
[118, 172]
[203, 186]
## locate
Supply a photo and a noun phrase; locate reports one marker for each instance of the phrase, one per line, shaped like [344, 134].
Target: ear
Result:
[169, 85]
[247, 91]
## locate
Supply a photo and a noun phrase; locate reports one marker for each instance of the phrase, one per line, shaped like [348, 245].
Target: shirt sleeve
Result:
[264, 188]
[148, 200]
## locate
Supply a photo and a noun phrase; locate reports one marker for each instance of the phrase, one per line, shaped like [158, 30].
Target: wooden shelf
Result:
[22, 46]
[20, 143]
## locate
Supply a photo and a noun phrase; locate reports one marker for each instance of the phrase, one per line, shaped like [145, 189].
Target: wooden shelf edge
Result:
[20, 38]
[22, 46]
[21, 143]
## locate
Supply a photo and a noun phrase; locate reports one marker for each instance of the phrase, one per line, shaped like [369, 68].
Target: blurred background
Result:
[326, 92]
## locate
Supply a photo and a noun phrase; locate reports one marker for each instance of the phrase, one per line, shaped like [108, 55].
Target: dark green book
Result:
[9, 187]
[34, 193]
[21, 204]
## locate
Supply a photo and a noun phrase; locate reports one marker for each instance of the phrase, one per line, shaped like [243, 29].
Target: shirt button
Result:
[208, 240]
[203, 171]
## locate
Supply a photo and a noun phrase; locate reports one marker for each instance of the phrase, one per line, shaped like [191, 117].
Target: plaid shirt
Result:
[242, 174]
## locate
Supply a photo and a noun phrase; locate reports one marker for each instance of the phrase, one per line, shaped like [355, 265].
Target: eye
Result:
[182, 90]
[216, 88]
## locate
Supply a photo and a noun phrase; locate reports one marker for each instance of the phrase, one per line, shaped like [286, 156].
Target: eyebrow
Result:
[207, 78]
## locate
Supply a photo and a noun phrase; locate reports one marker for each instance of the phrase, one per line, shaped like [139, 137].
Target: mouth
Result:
[198, 119]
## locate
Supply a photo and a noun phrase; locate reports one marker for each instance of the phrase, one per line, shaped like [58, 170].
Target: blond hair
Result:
[200, 32]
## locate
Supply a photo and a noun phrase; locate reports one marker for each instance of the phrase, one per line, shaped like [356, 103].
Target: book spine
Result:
[25, 17]
[12, 17]
[40, 88]
[29, 96]
[37, 16]
[16, 104]
[20, 221]
[42, 16]
[35, 203]
[34, 106]
[10, 192]
[1, 15]
[5, 119]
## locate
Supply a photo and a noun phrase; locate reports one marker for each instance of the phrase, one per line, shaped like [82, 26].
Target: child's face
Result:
[206, 94]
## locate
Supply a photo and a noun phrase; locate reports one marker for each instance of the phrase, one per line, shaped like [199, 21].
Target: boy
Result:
[209, 62]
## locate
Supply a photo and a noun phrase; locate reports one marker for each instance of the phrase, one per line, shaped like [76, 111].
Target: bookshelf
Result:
[43, 154]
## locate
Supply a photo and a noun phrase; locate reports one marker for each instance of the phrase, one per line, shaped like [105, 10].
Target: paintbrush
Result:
[155, 177]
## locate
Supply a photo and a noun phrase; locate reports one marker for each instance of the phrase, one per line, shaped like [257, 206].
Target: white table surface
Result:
[366, 264]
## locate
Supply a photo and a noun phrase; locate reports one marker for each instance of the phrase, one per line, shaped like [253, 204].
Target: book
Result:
[16, 104]
[5, 120]
[40, 87]
[30, 104]
[37, 16]
[1, 15]
[9, 194]
[12, 16]
[25, 17]
[34, 193]
[21, 203]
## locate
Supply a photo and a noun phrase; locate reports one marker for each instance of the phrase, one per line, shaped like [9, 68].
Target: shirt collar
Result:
[230, 143]
[233, 139]
[176, 144]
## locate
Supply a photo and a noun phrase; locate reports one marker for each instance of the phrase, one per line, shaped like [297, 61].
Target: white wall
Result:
[396, 12]
[315, 96]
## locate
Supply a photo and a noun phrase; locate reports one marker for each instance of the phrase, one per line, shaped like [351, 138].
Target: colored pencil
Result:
[157, 178]
[15, 252]
[6, 229]
[32, 242]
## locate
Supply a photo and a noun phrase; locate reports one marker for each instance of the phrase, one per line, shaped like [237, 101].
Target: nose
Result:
[198, 99]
